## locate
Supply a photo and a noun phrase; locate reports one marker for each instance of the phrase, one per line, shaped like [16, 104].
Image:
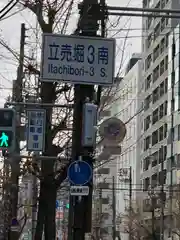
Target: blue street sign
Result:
[79, 173]
[57, 204]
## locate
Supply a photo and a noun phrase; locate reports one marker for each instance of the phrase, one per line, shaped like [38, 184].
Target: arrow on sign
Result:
[77, 168]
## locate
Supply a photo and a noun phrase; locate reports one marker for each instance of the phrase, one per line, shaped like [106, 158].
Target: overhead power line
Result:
[9, 9]
[143, 15]
[154, 12]
[4, 8]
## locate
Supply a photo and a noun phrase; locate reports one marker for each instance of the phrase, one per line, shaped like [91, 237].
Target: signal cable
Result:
[4, 8]
[8, 10]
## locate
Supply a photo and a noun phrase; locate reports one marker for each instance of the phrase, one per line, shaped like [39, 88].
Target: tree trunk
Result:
[50, 224]
[47, 167]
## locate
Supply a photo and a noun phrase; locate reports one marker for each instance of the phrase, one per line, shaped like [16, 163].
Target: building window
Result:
[154, 137]
[148, 62]
[162, 153]
[162, 177]
[146, 163]
[157, 31]
[156, 73]
[166, 63]
[162, 89]
[161, 111]
[147, 143]
[147, 102]
[163, 3]
[149, 40]
[155, 95]
[155, 116]
[162, 65]
[149, 21]
[145, 3]
[163, 24]
[166, 85]
[167, 39]
[165, 108]
[146, 184]
[154, 180]
[147, 122]
[162, 45]
[165, 130]
[161, 133]
[154, 158]
[178, 132]
[148, 82]
[156, 53]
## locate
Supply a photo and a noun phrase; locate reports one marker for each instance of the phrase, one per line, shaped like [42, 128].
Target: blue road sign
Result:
[79, 172]
[57, 204]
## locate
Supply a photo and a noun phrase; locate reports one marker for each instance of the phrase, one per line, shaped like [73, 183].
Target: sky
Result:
[10, 33]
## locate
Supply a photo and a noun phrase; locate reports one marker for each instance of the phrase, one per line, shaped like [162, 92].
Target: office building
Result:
[127, 109]
[160, 103]
[104, 174]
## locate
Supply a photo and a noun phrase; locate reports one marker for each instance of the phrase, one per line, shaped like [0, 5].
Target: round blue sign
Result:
[14, 222]
[79, 172]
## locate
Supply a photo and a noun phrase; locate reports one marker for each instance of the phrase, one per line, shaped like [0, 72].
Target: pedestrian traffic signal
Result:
[5, 138]
[67, 205]
[7, 129]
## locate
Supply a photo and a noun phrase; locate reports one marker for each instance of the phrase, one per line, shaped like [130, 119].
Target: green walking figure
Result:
[4, 140]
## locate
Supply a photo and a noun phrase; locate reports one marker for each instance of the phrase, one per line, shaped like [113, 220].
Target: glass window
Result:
[161, 133]
[161, 111]
[162, 67]
[155, 116]
[154, 137]
[162, 89]
[155, 95]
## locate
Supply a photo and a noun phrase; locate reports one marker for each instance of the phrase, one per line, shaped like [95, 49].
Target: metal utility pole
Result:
[34, 202]
[114, 209]
[172, 139]
[162, 197]
[6, 199]
[17, 97]
[130, 202]
[80, 208]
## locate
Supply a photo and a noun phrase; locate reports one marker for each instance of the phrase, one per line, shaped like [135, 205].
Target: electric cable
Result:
[12, 14]
[4, 8]
[8, 10]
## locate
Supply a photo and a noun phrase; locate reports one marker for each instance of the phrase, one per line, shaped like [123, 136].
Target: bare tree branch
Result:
[61, 126]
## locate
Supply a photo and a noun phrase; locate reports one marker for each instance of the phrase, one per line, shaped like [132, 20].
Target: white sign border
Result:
[44, 127]
[77, 194]
[42, 79]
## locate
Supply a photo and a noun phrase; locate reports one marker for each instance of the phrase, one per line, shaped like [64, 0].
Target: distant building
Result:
[105, 170]
[127, 109]
[123, 103]
[160, 97]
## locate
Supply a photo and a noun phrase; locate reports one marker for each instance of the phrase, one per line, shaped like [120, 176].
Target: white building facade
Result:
[127, 109]
[104, 174]
[123, 103]
[160, 97]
